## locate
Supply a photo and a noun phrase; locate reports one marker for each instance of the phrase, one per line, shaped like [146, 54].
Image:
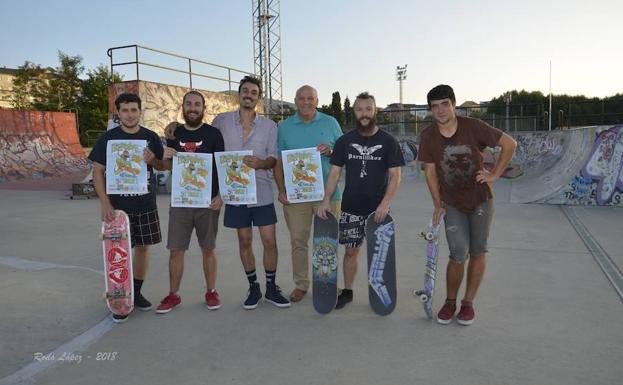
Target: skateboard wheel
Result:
[429, 236]
[421, 295]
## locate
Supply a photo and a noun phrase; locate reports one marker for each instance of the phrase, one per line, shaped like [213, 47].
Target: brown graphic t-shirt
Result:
[457, 160]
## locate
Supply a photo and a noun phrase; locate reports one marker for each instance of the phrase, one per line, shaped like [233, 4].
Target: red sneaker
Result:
[446, 313]
[466, 314]
[213, 300]
[168, 303]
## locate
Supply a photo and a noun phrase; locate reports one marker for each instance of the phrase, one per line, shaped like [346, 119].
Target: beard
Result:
[368, 127]
[193, 122]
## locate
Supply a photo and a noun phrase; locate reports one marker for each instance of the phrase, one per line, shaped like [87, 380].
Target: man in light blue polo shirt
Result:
[307, 128]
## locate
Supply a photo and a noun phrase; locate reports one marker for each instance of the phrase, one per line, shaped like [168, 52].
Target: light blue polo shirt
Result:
[294, 134]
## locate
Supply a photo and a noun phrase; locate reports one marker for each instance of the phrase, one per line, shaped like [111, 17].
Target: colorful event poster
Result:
[303, 175]
[126, 170]
[236, 180]
[191, 180]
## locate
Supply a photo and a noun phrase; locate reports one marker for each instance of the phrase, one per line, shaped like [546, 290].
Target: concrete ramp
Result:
[580, 166]
[40, 150]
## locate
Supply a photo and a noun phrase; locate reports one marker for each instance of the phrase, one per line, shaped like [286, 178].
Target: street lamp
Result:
[401, 74]
[508, 97]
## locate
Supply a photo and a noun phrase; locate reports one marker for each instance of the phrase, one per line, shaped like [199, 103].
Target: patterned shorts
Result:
[352, 229]
[145, 228]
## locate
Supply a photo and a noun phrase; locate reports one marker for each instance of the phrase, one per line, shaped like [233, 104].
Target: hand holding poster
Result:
[126, 170]
[191, 180]
[236, 180]
[302, 171]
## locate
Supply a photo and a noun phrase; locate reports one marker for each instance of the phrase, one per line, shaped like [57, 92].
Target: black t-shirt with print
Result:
[367, 160]
[206, 140]
[130, 203]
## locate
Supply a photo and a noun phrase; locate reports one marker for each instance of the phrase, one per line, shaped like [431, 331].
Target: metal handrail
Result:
[138, 63]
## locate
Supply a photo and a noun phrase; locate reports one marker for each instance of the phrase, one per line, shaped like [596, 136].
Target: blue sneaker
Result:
[274, 296]
[254, 295]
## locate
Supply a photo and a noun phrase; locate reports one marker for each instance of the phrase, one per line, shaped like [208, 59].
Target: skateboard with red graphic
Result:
[117, 251]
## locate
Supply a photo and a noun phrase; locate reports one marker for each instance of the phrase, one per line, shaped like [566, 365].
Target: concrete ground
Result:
[546, 314]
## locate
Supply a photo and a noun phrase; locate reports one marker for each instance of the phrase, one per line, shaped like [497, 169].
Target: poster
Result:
[303, 175]
[191, 180]
[126, 170]
[236, 180]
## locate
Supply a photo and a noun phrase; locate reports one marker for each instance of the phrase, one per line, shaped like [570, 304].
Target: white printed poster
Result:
[236, 180]
[303, 175]
[126, 170]
[191, 180]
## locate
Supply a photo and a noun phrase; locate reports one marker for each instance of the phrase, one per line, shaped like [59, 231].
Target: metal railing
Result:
[138, 63]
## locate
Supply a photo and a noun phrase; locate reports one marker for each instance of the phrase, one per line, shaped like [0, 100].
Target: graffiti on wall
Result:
[605, 167]
[35, 145]
[162, 103]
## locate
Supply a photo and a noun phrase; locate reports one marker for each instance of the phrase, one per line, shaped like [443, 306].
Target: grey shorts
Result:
[182, 220]
[467, 233]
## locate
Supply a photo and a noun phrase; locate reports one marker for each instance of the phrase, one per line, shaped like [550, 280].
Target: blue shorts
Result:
[240, 217]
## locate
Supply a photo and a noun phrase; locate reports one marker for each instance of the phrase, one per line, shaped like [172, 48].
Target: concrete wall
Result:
[582, 166]
[162, 103]
[35, 145]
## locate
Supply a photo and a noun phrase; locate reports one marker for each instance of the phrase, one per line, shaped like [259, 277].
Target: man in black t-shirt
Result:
[141, 209]
[372, 159]
[193, 136]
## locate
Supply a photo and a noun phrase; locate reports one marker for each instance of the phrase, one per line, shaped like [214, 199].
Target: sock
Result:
[270, 277]
[138, 284]
[251, 276]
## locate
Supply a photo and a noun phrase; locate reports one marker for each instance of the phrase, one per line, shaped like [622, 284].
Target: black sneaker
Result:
[345, 297]
[141, 303]
[119, 318]
[253, 296]
[274, 296]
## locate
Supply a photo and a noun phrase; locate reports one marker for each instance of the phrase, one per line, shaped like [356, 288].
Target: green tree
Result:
[92, 103]
[336, 108]
[63, 90]
[28, 84]
[348, 111]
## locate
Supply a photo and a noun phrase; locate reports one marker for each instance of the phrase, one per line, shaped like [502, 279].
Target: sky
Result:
[481, 48]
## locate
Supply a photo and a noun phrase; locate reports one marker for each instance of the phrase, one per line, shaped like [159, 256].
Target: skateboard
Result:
[324, 264]
[381, 264]
[117, 253]
[432, 252]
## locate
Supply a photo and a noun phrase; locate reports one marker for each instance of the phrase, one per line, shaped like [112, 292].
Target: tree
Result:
[28, 84]
[63, 90]
[93, 101]
[348, 111]
[336, 108]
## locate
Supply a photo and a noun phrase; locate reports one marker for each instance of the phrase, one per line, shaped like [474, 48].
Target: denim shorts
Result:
[467, 233]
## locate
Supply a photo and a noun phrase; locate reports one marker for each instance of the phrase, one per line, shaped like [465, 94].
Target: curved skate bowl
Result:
[581, 166]
[40, 150]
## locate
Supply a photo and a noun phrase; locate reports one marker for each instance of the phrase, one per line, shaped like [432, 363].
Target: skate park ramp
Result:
[580, 166]
[40, 150]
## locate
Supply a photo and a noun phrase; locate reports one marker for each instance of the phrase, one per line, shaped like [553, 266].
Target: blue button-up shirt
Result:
[262, 140]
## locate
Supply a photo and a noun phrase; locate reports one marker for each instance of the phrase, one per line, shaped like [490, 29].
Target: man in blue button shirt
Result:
[306, 128]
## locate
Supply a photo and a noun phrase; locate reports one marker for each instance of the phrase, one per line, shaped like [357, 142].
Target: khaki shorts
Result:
[182, 220]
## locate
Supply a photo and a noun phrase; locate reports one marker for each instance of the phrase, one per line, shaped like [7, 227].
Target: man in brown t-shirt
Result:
[451, 150]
